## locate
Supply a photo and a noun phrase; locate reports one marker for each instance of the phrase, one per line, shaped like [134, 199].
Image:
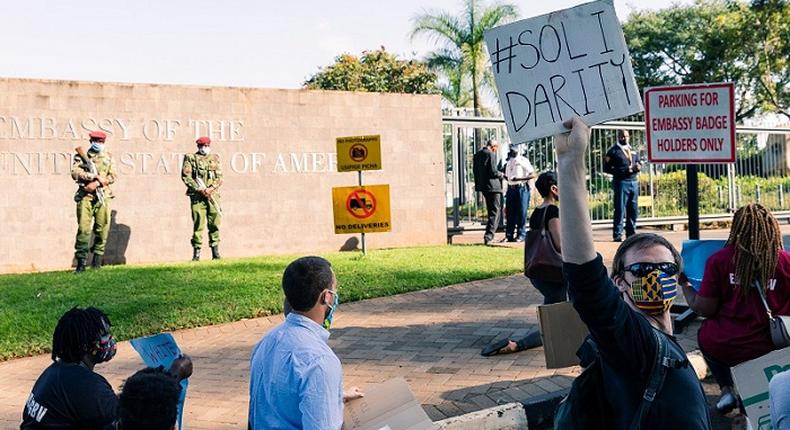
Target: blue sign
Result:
[695, 253]
[162, 350]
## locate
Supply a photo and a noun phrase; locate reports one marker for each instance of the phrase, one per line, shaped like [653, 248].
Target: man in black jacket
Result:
[624, 166]
[488, 180]
[626, 313]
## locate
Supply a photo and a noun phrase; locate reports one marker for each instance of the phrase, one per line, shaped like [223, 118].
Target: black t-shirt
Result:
[537, 214]
[69, 396]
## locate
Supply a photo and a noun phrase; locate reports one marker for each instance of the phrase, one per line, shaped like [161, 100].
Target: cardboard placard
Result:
[358, 153]
[569, 62]
[751, 379]
[690, 123]
[361, 209]
[563, 332]
[387, 406]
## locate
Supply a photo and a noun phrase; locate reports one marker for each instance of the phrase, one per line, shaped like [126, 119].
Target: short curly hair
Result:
[149, 401]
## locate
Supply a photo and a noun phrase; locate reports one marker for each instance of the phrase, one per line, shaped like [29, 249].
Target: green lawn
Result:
[142, 300]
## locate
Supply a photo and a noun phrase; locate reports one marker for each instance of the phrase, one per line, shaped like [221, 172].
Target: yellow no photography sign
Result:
[358, 153]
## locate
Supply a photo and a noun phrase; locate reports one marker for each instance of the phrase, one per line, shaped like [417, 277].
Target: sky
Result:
[247, 43]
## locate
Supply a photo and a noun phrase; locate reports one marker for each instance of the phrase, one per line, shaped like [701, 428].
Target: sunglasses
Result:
[642, 269]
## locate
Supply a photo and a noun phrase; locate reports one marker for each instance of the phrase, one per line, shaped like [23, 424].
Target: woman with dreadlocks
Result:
[69, 394]
[736, 325]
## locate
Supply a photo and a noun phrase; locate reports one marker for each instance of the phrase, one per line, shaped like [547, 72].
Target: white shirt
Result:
[518, 167]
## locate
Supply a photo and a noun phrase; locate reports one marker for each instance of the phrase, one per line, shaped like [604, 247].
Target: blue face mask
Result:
[330, 313]
[97, 146]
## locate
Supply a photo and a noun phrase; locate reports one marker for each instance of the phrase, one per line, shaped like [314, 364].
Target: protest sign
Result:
[364, 209]
[569, 62]
[695, 253]
[162, 350]
[358, 153]
[690, 123]
[387, 406]
[563, 332]
[752, 378]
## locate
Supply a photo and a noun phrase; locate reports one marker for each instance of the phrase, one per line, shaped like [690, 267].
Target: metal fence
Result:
[761, 172]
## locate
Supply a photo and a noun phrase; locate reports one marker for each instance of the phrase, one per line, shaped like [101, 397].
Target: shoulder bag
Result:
[778, 325]
[541, 258]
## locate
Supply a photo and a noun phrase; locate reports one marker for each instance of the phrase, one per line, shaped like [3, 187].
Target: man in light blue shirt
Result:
[296, 381]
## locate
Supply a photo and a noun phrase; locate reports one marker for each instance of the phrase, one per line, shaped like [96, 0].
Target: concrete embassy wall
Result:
[277, 149]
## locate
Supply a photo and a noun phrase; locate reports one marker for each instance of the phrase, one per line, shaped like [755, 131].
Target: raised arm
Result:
[574, 216]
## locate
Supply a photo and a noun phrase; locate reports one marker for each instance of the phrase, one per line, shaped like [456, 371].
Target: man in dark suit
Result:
[488, 180]
[624, 165]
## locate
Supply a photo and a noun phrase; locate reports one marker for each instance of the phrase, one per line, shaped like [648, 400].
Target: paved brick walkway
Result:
[432, 338]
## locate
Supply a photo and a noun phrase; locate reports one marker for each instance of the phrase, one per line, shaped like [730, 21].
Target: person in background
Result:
[544, 216]
[518, 172]
[94, 172]
[488, 180]
[736, 322]
[624, 165]
[202, 176]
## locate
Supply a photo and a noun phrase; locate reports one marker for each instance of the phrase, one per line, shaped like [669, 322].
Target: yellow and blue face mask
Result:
[654, 292]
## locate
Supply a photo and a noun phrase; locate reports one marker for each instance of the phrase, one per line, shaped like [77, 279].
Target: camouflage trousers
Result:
[204, 213]
[92, 218]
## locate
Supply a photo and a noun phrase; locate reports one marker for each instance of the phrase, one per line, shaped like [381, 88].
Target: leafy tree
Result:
[461, 57]
[376, 71]
[714, 41]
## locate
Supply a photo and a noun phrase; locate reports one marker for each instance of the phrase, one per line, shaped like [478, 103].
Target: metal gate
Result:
[761, 172]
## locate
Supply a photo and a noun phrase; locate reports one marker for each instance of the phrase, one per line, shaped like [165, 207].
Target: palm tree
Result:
[462, 56]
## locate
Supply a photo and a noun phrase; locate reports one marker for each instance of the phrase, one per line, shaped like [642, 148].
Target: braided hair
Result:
[757, 240]
[77, 333]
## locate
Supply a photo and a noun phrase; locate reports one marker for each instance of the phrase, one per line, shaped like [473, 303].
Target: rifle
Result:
[211, 199]
[92, 169]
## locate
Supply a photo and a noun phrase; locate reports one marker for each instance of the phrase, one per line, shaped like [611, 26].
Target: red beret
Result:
[98, 135]
[204, 140]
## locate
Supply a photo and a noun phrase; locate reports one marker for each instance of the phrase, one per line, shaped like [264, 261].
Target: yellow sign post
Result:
[357, 153]
[362, 209]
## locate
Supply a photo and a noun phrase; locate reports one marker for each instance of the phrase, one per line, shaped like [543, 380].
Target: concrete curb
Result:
[504, 417]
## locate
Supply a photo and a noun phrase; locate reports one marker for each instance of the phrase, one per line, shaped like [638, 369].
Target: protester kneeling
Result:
[296, 381]
[637, 375]
[69, 394]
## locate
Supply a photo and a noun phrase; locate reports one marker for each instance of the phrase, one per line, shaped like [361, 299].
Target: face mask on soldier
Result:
[97, 146]
[204, 150]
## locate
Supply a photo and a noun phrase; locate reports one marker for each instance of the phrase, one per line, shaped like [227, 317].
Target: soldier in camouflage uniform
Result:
[202, 176]
[94, 173]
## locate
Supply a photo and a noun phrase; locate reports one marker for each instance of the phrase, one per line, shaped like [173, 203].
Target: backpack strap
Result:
[662, 361]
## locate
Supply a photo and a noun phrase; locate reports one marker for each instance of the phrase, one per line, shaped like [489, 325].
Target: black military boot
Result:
[96, 262]
[80, 266]
[215, 252]
[196, 254]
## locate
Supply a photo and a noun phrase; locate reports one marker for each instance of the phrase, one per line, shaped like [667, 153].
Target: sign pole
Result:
[364, 245]
[693, 200]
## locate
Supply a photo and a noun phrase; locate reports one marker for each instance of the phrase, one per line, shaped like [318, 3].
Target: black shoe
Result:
[727, 402]
[486, 241]
[80, 266]
[196, 254]
[96, 262]
[511, 239]
[617, 239]
[215, 252]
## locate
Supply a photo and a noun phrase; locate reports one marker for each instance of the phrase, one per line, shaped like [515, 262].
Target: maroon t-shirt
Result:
[739, 330]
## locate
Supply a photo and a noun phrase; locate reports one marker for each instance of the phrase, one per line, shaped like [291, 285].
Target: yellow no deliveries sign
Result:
[361, 209]
[358, 153]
